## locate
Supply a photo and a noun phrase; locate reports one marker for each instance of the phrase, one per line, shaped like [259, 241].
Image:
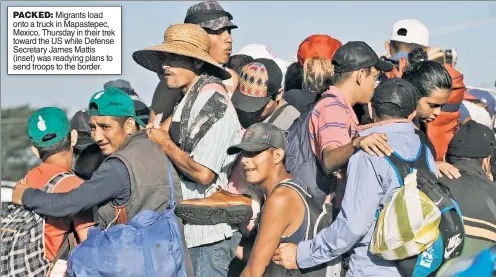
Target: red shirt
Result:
[56, 228]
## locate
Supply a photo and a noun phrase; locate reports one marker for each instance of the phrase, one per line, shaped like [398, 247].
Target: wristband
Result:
[355, 142]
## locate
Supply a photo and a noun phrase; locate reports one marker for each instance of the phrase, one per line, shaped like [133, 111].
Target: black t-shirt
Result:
[165, 99]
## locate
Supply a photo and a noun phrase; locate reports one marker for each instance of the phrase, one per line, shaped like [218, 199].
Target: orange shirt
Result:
[56, 228]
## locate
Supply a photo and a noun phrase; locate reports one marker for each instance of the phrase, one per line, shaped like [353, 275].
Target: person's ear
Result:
[486, 165]
[360, 74]
[129, 126]
[412, 115]
[387, 45]
[74, 137]
[280, 95]
[278, 155]
[35, 152]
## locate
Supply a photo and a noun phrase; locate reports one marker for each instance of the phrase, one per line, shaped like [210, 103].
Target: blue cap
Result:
[463, 112]
[485, 97]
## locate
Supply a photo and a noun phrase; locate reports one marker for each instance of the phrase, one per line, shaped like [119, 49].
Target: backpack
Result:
[302, 163]
[22, 234]
[449, 243]
[150, 245]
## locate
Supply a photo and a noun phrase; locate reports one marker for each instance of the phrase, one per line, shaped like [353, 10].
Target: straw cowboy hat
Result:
[188, 40]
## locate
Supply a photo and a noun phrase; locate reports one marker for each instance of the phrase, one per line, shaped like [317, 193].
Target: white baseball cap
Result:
[410, 31]
[260, 51]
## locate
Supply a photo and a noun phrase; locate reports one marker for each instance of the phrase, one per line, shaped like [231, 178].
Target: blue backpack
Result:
[451, 238]
[301, 161]
[150, 245]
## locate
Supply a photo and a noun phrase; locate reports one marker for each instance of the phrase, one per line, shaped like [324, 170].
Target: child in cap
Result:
[53, 142]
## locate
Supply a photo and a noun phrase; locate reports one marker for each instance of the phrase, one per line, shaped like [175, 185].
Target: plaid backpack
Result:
[23, 243]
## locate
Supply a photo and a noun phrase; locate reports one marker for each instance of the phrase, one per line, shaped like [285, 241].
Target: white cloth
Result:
[59, 268]
[478, 114]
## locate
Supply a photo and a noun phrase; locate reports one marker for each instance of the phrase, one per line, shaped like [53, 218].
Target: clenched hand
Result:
[286, 256]
[157, 135]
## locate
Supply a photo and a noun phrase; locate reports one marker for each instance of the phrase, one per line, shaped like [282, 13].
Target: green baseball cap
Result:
[113, 102]
[48, 120]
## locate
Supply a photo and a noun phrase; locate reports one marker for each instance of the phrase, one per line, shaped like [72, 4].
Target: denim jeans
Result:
[212, 260]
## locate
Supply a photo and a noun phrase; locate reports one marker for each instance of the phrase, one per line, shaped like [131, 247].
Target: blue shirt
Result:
[371, 182]
[400, 55]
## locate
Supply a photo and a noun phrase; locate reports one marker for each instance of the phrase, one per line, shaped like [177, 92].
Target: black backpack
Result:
[301, 161]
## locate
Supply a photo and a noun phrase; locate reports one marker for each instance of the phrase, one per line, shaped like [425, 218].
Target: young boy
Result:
[52, 140]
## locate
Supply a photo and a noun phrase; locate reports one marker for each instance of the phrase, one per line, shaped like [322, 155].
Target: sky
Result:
[468, 26]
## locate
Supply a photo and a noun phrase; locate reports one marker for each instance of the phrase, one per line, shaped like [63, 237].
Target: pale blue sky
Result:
[468, 26]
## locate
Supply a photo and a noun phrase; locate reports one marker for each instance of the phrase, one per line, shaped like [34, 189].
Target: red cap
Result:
[318, 46]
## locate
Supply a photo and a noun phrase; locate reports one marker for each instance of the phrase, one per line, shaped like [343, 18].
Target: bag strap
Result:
[277, 113]
[50, 185]
[403, 166]
[172, 200]
[69, 241]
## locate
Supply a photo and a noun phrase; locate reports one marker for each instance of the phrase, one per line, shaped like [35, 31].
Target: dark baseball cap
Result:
[259, 137]
[259, 81]
[81, 123]
[471, 141]
[209, 15]
[355, 55]
[397, 96]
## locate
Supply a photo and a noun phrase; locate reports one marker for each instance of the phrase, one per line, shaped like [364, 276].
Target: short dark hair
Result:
[236, 62]
[61, 146]
[341, 77]
[397, 46]
[395, 98]
[293, 79]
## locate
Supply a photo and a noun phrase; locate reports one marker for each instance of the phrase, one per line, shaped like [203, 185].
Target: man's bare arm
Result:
[184, 163]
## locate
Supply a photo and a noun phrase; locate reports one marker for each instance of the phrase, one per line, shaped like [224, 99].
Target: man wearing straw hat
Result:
[203, 125]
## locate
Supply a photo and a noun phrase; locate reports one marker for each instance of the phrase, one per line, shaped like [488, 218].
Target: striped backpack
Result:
[421, 227]
[22, 234]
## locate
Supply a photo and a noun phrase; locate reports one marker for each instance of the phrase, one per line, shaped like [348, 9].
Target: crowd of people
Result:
[342, 163]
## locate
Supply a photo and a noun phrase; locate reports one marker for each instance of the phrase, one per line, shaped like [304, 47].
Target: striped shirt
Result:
[333, 123]
[211, 153]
